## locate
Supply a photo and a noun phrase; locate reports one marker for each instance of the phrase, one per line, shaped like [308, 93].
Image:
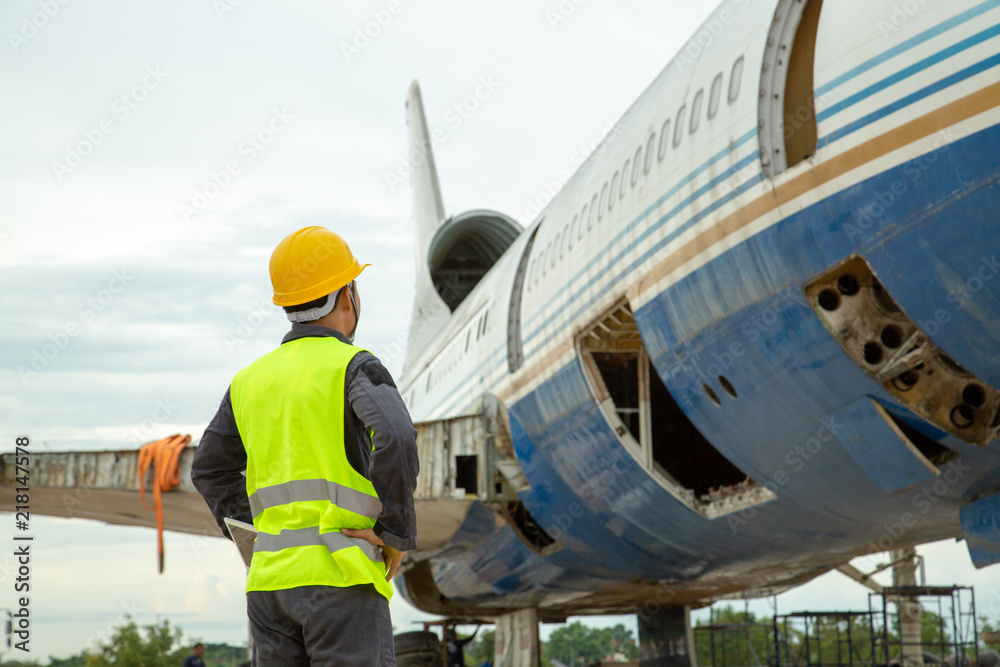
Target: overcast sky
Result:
[154, 153]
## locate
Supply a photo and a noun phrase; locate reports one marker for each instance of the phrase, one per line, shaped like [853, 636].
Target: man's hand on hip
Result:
[392, 557]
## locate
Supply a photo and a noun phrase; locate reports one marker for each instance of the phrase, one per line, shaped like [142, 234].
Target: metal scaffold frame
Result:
[955, 607]
[848, 638]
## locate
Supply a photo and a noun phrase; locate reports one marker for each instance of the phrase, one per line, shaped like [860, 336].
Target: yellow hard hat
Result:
[311, 263]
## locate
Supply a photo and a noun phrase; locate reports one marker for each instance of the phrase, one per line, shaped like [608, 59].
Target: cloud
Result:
[198, 307]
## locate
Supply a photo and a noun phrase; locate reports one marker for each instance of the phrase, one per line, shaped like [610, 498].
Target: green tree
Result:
[132, 646]
[989, 633]
[481, 649]
[620, 640]
[72, 661]
[934, 634]
[577, 643]
[737, 638]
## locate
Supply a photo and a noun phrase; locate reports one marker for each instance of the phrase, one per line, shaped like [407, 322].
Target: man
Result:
[456, 647]
[331, 464]
[195, 660]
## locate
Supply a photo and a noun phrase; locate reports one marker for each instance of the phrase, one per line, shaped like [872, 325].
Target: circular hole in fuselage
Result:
[829, 300]
[963, 416]
[892, 336]
[712, 396]
[873, 353]
[906, 380]
[848, 284]
[727, 386]
[974, 395]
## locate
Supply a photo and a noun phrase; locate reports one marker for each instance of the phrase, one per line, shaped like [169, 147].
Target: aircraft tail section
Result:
[430, 313]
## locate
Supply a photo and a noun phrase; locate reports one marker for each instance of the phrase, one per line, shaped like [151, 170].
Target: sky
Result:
[153, 154]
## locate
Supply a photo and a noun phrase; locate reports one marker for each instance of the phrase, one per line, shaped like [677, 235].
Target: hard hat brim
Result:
[313, 292]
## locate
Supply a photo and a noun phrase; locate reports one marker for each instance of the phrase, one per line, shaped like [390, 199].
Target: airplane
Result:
[755, 335]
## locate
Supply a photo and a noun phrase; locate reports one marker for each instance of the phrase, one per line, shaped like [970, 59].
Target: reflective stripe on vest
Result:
[289, 409]
[301, 537]
[314, 489]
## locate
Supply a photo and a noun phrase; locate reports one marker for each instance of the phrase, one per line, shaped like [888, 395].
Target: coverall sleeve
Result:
[218, 466]
[394, 463]
[463, 642]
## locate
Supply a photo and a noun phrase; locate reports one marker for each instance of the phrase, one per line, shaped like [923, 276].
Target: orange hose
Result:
[165, 456]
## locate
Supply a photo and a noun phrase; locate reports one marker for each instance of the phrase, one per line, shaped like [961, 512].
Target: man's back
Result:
[329, 454]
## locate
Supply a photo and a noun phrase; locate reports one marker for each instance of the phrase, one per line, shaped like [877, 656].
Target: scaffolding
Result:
[826, 639]
[948, 631]
[744, 643]
[948, 623]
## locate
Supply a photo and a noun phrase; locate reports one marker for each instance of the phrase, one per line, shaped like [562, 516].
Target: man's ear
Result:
[343, 301]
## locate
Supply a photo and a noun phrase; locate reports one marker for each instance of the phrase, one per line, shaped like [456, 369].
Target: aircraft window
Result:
[572, 231]
[486, 316]
[584, 221]
[531, 269]
[679, 126]
[735, 79]
[664, 138]
[604, 197]
[428, 381]
[696, 110]
[468, 339]
[635, 165]
[650, 145]
[548, 258]
[628, 163]
[715, 96]
[593, 207]
[565, 240]
[614, 186]
[556, 254]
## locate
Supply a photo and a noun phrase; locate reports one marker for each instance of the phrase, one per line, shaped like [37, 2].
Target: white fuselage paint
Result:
[470, 358]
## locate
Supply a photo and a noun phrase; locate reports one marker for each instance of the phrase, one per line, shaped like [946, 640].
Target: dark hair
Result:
[198, 644]
[315, 303]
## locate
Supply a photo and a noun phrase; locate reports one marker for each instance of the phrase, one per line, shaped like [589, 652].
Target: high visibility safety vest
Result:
[289, 409]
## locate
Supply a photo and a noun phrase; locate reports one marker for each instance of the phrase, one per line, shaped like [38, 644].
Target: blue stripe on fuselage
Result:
[490, 359]
[590, 493]
[905, 46]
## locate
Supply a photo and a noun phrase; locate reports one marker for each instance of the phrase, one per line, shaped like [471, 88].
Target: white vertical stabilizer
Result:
[430, 313]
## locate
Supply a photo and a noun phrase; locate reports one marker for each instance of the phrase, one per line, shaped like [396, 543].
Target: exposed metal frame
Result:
[628, 340]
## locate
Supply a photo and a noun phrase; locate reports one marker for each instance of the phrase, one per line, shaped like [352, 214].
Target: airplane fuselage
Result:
[700, 224]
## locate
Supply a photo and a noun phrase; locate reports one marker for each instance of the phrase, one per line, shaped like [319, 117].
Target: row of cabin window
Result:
[480, 331]
[564, 239]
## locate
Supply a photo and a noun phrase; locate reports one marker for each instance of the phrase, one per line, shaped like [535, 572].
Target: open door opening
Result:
[788, 132]
[651, 424]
